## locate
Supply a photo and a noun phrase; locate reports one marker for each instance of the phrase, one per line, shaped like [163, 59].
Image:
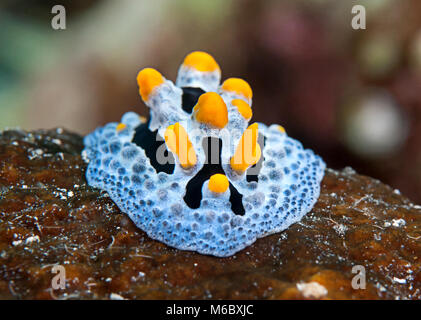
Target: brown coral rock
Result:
[50, 216]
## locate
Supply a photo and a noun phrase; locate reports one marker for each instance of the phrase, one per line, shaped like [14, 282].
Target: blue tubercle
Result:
[278, 188]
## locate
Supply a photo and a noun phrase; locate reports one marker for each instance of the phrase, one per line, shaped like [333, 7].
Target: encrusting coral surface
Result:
[50, 216]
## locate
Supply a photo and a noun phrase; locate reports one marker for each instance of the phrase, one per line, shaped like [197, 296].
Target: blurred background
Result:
[354, 96]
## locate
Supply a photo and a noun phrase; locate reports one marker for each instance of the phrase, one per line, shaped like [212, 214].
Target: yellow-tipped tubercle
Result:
[211, 110]
[281, 128]
[148, 80]
[218, 183]
[243, 108]
[179, 143]
[248, 151]
[238, 86]
[201, 61]
[120, 127]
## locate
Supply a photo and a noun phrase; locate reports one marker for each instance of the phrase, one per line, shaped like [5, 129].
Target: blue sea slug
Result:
[196, 175]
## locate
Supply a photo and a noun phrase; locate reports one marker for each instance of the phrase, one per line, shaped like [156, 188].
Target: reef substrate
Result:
[50, 217]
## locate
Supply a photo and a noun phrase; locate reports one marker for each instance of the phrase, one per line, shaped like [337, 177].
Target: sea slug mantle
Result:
[196, 175]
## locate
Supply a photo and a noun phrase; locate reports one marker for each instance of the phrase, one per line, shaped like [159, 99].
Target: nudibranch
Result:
[197, 175]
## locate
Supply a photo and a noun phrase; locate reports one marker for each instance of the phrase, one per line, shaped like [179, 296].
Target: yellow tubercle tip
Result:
[211, 110]
[142, 119]
[148, 79]
[248, 151]
[120, 127]
[239, 86]
[281, 128]
[201, 61]
[243, 108]
[171, 139]
[179, 143]
[218, 183]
